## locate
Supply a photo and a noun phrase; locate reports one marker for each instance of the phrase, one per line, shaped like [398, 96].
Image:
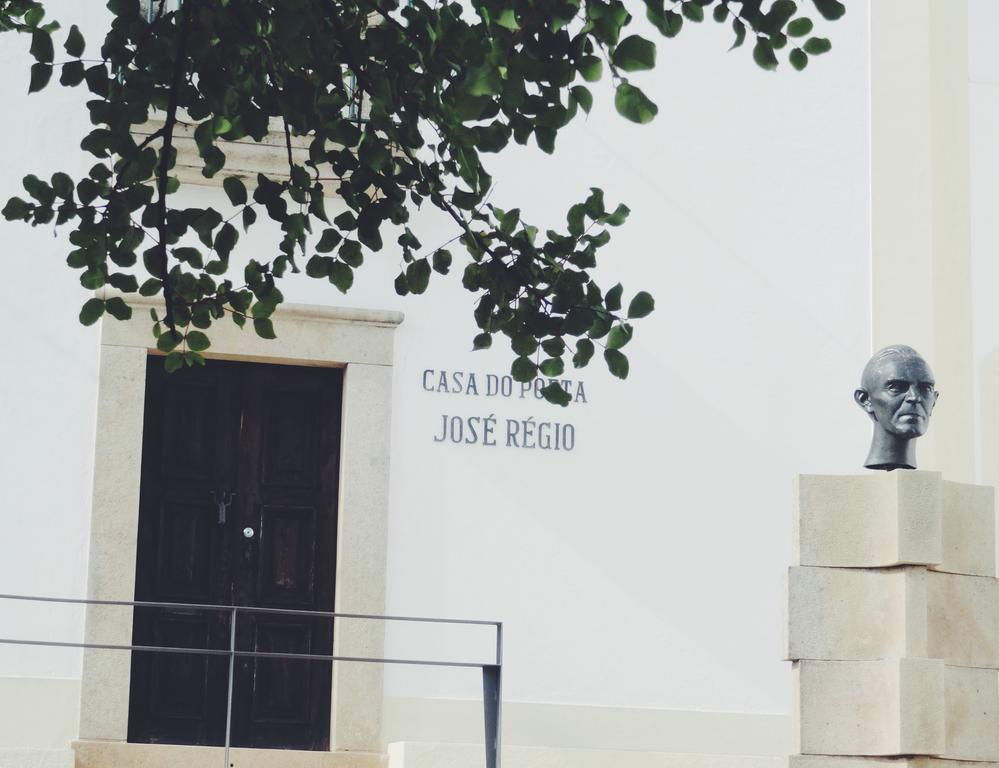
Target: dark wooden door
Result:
[270, 435]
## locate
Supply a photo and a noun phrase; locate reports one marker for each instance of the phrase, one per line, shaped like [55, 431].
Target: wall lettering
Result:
[490, 431]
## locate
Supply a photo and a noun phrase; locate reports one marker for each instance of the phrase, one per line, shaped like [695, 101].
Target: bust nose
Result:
[912, 395]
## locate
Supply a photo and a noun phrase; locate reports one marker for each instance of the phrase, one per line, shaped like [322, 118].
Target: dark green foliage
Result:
[474, 76]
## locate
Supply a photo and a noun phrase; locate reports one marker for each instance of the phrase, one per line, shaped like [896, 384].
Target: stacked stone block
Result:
[892, 623]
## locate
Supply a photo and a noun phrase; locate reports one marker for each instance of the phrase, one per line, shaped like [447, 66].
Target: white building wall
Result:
[640, 570]
[983, 62]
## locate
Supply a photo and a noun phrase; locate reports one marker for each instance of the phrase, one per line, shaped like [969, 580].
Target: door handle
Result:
[223, 500]
[248, 533]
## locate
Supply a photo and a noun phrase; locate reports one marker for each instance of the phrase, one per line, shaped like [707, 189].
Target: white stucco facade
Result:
[638, 574]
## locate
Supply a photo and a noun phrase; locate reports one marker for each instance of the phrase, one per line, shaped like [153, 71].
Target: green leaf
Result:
[124, 283]
[117, 308]
[173, 362]
[583, 97]
[342, 276]
[763, 54]
[619, 336]
[612, 300]
[351, 253]
[235, 189]
[524, 344]
[401, 285]
[168, 341]
[40, 76]
[590, 68]
[225, 240]
[442, 261]
[97, 80]
[693, 11]
[371, 237]
[418, 276]
[584, 351]
[91, 311]
[345, 222]
[484, 81]
[553, 366]
[830, 9]
[634, 53]
[641, 306]
[33, 17]
[16, 209]
[633, 104]
[800, 27]
[509, 220]
[197, 341]
[189, 255]
[41, 46]
[816, 45]
[482, 341]
[555, 393]
[72, 74]
[575, 219]
[264, 327]
[619, 216]
[546, 138]
[740, 33]
[523, 369]
[319, 266]
[553, 347]
[508, 19]
[124, 8]
[328, 241]
[780, 13]
[74, 44]
[669, 24]
[249, 217]
[798, 59]
[617, 363]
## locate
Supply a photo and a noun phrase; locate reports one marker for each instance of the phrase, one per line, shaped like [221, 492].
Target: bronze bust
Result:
[898, 392]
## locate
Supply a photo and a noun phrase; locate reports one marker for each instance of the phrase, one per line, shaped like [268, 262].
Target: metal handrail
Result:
[491, 673]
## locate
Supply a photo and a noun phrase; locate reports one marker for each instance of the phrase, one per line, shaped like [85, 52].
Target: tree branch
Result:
[165, 151]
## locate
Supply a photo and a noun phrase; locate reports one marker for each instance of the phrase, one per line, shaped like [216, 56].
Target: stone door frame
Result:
[360, 341]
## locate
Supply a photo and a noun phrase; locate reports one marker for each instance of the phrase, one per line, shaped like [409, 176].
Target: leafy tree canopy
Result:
[402, 104]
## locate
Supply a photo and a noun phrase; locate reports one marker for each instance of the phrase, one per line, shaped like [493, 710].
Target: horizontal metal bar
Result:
[250, 654]
[246, 609]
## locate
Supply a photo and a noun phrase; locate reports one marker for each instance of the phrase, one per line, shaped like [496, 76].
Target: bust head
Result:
[898, 392]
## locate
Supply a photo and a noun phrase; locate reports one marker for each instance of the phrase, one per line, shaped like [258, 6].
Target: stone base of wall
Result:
[428, 755]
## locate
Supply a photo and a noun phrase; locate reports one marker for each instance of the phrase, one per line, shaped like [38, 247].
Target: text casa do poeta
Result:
[489, 431]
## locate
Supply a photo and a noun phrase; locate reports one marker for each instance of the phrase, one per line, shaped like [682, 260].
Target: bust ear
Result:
[864, 401]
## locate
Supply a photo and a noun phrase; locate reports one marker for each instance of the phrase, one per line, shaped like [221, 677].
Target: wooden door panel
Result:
[287, 681]
[289, 467]
[190, 429]
[289, 441]
[269, 434]
[286, 573]
[185, 560]
[179, 685]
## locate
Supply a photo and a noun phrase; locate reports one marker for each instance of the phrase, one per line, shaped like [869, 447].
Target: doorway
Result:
[237, 506]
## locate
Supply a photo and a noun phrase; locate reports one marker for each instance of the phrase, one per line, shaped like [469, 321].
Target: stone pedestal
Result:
[892, 623]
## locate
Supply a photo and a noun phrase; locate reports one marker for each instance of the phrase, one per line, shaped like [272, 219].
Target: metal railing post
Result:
[232, 667]
[491, 712]
[492, 702]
